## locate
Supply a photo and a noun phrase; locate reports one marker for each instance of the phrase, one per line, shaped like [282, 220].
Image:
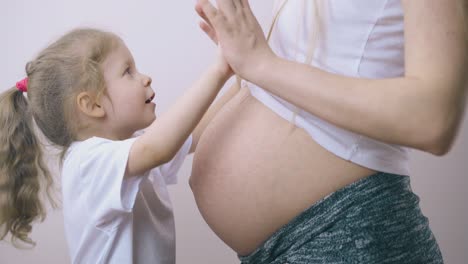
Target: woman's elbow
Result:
[442, 115]
[439, 141]
[442, 125]
[439, 148]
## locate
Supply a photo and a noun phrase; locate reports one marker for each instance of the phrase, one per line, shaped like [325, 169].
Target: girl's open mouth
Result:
[150, 99]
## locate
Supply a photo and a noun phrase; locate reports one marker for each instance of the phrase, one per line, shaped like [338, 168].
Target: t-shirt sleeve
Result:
[169, 170]
[103, 167]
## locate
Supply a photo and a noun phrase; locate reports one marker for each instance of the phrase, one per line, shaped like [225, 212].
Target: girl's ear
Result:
[89, 106]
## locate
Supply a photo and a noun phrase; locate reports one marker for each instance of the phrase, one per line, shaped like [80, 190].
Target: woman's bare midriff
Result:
[253, 172]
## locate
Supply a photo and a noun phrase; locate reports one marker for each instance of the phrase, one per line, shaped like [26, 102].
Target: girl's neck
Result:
[85, 134]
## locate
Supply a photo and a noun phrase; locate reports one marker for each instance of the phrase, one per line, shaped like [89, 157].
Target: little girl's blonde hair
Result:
[58, 74]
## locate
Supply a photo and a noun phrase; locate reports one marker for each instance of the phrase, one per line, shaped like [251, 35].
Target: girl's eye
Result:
[127, 71]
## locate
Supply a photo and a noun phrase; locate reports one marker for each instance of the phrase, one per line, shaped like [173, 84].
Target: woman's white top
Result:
[112, 219]
[359, 38]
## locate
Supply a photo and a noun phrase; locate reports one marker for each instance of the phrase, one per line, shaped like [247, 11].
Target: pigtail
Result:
[55, 77]
[23, 173]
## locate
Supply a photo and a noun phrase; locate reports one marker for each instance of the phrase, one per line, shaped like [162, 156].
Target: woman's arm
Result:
[422, 110]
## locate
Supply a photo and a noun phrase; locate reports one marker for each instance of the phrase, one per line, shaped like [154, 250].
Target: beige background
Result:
[167, 44]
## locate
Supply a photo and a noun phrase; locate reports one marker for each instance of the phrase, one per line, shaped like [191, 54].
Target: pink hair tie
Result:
[23, 85]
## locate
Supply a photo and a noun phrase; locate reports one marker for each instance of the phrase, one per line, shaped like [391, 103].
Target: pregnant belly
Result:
[254, 171]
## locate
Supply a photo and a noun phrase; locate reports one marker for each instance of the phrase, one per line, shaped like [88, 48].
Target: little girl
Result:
[87, 97]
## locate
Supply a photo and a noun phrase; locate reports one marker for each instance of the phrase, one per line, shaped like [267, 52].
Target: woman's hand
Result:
[221, 62]
[238, 33]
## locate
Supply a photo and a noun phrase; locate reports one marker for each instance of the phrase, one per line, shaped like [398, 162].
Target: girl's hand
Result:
[238, 33]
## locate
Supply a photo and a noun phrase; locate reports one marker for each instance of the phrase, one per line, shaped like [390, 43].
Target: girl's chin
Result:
[147, 122]
[151, 120]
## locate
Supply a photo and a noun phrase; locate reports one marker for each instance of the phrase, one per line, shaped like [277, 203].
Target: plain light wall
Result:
[167, 44]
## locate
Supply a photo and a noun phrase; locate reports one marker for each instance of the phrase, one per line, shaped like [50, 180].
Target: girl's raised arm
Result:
[167, 134]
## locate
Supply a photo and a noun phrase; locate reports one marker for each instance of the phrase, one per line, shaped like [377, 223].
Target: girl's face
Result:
[128, 101]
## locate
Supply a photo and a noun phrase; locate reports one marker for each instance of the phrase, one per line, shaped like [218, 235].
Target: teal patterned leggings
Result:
[374, 220]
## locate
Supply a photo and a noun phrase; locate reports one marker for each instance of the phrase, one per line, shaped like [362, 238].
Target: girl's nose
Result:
[147, 81]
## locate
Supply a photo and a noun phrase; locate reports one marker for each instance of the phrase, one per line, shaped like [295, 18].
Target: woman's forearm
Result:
[406, 111]
[422, 110]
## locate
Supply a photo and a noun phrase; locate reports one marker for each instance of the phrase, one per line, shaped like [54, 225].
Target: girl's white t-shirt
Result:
[112, 219]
